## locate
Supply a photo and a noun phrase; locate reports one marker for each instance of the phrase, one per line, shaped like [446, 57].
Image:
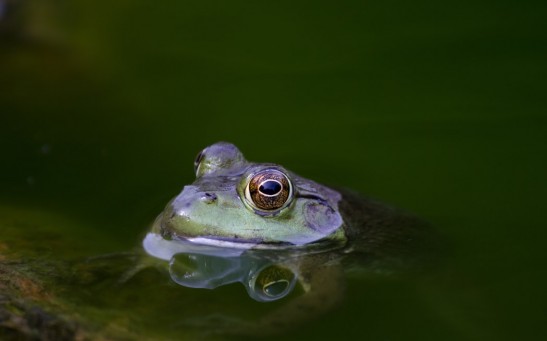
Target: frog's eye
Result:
[269, 190]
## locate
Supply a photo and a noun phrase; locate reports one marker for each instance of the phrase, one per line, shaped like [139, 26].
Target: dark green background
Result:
[436, 107]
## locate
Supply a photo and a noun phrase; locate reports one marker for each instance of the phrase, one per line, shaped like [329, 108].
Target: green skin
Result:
[214, 210]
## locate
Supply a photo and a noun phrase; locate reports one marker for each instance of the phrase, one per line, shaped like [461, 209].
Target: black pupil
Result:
[270, 187]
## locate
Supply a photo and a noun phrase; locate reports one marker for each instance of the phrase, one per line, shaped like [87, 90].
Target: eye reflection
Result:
[274, 282]
[275, 289]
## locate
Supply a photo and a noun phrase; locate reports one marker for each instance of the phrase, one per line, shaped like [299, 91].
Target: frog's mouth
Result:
[237, 243]
[163, 229]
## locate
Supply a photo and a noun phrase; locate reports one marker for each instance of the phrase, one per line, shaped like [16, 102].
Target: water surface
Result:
[435, 108]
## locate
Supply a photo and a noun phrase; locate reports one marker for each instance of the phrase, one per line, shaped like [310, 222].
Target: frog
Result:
[240, 204]
[270, 228]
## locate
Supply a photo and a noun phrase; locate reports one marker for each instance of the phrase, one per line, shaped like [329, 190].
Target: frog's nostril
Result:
[208, 198]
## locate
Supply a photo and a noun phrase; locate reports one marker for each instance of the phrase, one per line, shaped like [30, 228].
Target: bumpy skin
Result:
[214, 209]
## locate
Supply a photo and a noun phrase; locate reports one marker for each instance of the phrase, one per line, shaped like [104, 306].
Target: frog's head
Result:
[237, 203]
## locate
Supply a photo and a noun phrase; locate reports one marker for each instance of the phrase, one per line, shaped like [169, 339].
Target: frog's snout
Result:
[184, 206]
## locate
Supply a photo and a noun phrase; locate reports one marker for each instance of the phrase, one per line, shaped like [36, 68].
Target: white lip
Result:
[222, 243]
[156, 246]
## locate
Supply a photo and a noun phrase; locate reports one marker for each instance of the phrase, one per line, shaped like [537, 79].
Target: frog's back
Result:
[377, 232]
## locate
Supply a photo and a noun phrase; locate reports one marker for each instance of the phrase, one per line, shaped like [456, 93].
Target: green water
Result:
[437, 108]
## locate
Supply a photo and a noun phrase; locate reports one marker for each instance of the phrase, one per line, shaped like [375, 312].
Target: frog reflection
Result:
[266, 274]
